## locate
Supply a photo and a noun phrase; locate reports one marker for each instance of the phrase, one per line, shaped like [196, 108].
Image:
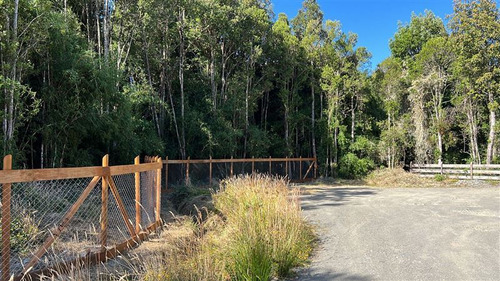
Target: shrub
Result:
[23, 233]
[267, 234]
[439, 177]
[183, 192]
[352, 167]
[364, 147]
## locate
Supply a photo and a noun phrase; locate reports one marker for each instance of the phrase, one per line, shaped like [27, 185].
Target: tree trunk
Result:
[87, 19]
[287, 125]
[473, 132]
[247, 97]
[266, 109]
[439, 117]
[10, 120]
[336, 128]
[174, 117]
[182, 52]
[313, 121]
[353, 118]
[41, 155]
[98, 27]
[491, 136]
[212, 79]
[440, 146]
[106, 31]
[162, 94]
[223, 74]
[154, 111]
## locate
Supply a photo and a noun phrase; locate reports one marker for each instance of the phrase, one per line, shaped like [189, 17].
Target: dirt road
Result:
[404, 234]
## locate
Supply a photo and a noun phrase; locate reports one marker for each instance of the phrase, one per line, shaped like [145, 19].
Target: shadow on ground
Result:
[318, 197]
[334, 276]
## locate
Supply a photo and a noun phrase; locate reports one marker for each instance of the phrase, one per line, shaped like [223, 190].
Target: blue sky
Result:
[375, 21]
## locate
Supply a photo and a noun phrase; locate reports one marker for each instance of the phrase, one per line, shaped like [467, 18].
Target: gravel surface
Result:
[404, 233]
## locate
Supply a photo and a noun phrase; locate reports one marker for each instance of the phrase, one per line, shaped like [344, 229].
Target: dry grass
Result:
[399, 178]
[257, 233]
[267, 235]
[162, 257]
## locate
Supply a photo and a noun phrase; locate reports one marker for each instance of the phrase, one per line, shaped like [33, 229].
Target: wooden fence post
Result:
[104, 207]
[210, 172]
[187, 170]
[411, 164]
[137, 161]
[315, 168]
[270, 166]
[231, 168]
[6, 220]
[158, 191]
[300, 168]
[471, 170]
[286, 167]
[253, 165]
[441, 166]
[166, 173]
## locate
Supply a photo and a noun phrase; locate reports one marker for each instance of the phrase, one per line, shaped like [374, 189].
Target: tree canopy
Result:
[218, 78]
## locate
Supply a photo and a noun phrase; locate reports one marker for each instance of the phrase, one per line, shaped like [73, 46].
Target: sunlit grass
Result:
[256, 233]
[259, 233]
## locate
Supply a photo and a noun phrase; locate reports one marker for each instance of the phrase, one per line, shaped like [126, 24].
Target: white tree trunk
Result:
[491, 136]
[182, 52]
[106, 31]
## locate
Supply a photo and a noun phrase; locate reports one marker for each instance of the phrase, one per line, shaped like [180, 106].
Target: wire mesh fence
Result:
[148, 198]
[60, 220]
[209, 172]
[38, 207]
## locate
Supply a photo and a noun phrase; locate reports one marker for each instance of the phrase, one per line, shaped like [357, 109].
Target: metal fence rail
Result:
[458, 171]
[58, 218]
[208, 172]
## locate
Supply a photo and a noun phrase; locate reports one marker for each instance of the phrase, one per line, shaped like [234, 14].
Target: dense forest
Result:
[222, 78]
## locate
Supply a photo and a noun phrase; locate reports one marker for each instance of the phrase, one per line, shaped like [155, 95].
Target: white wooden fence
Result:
[458, 171]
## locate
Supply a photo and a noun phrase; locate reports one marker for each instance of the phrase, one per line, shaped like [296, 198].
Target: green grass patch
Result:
[439, 177]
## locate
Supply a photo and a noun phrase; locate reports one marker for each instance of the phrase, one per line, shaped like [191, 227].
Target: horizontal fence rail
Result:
[67, 217]
[458, 171]
[207, 172]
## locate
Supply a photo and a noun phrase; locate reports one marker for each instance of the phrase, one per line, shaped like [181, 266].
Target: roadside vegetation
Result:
[256, 232]
[400, 178]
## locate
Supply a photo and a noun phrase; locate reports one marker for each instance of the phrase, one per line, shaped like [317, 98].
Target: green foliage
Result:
[352, 167]
[258, 142]
[364, 148]
[221, 79]
[23, 233]
[183, 192]
[439, 177]
[410, 38]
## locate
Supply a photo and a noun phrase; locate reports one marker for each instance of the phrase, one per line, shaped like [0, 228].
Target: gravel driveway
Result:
[404, 233]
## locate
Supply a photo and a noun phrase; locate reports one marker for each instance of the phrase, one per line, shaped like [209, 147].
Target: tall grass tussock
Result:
[266, 233]
[257, 233]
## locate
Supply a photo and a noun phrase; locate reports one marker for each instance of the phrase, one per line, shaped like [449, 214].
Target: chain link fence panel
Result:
[199, 173]
[38, 208]
[148, 198]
